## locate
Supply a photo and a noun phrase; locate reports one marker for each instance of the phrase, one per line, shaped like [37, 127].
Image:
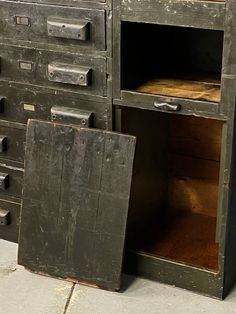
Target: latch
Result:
[65, 28]
[4, 217]
[78, 117]
[69, 74]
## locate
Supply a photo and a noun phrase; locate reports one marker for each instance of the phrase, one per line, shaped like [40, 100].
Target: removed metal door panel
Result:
[75, 202]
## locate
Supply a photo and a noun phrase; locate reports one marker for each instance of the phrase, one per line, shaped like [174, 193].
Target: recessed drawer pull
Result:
[2, 103]
[167, 107]
[4, 217]
[75, 116]
[70, 29]
[3, 143]
[69, 74]
[4, 181]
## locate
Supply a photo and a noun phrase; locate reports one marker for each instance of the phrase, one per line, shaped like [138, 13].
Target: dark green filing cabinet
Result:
[164, 71]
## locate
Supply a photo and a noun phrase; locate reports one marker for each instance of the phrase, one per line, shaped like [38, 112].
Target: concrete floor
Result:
[22, 292]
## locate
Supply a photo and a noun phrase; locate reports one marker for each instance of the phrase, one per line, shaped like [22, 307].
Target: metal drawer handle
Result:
[69, 74]
[67, 28]
[2, 103]
[4, 181]
[4, 217]
[3, 143]
[167, 107]
[75, 116]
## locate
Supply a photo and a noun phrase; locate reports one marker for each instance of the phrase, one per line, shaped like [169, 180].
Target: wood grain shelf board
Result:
[205, 90]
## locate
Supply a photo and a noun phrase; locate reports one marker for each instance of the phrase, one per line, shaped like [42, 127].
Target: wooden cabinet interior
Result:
[173, 207]
[171, 61]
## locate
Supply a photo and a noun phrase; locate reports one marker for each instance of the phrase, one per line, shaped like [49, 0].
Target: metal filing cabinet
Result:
[54, 54]
[172, 84]
[175, 89]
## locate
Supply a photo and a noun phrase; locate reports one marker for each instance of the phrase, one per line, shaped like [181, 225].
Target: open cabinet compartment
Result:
[171, 61]
[175, 186]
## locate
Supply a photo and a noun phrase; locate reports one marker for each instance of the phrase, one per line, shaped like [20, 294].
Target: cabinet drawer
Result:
[11, 175]
[70, 3]
[53, 24]
[22, 103]
[58, 70]
[12, 142]
[9, 220]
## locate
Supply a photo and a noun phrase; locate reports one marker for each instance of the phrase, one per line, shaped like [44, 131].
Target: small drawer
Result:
[12, 142]
[53, 24]
[169, 104]
[61, 71]
[9, 220]
[19, 103]
[68, 3]
[11, 176]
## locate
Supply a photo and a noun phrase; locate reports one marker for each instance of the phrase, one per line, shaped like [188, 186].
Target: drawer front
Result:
[53, 24]
[20, 103]
[58, 70]
[12, 142]
[9, 220]
[11, 176]
[169, 104]
[74, 3]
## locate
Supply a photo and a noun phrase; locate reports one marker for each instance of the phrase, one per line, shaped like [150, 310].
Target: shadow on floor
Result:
[126, 282]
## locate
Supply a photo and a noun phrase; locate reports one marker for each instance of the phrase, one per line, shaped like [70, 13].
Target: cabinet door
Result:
[75, 202]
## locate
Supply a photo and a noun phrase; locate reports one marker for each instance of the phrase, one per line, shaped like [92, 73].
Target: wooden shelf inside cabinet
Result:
[201, 88]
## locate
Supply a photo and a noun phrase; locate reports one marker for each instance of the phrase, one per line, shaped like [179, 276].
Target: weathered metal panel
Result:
[199, 14]
[78, 181]
[31, 66]
[228, 214]
[22, 102]
[229, 57]
[52, 24]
